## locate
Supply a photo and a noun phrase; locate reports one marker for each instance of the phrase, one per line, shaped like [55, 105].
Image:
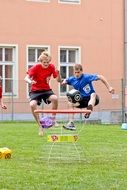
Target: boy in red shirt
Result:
[1, 99]
[38, 77]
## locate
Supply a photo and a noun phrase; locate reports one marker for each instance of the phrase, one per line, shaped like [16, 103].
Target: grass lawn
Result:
[102, 165]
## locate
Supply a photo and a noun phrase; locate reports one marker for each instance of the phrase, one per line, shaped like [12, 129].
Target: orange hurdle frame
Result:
[62, 111]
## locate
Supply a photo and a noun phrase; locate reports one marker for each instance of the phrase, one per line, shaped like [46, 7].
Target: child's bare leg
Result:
[70, 125]
[54, 100]
[33, 105]
[91, 104]
[92, 99]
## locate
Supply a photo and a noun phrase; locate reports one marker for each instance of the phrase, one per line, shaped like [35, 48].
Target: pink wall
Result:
[96, 26]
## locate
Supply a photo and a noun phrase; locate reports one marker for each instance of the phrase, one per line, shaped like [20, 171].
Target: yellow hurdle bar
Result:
[62, 138]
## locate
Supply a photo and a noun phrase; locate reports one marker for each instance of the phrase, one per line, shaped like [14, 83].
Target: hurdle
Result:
[63, 139]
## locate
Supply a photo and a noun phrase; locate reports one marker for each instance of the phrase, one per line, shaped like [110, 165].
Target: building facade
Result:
[73, 31]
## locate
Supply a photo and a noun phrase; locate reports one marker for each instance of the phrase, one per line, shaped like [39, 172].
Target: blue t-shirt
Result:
[83, 83]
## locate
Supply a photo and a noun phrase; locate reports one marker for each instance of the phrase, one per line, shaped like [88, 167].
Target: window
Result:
[68, 57]
[70, 1]
[33, 53]
[8, 69]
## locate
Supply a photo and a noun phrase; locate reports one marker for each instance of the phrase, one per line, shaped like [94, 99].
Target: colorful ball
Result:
[47, 121]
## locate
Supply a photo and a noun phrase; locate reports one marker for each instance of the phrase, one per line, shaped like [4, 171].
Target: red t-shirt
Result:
[40, 75]
[0, 91]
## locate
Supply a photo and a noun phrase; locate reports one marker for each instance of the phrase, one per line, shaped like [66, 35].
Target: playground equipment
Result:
[61, 144]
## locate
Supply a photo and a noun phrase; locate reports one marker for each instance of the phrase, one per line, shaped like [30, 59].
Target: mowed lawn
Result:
[98, 161]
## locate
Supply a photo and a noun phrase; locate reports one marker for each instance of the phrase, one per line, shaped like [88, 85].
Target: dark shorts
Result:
[84, 102]
[41, 95]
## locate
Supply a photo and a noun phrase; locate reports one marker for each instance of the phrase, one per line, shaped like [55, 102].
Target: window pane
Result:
[63, 56]
[63, 72]
[30, 66]
[8, 86]
[39, 51]
[8, 71]
[71, 71]
[1, 54]
[70, 88]
[72, 56]
[63, 88]
[8, 54]
[31, 55]
[0, 70]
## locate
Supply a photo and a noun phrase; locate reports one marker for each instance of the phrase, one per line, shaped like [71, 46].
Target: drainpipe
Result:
[124, 83]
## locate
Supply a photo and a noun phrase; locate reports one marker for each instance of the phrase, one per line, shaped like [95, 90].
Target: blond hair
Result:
[78, 67]
[44, 55]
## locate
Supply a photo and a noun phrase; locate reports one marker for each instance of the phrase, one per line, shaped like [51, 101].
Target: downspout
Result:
[124, 86]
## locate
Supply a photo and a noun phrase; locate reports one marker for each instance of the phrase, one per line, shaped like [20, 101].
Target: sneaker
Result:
[70, 126]
[89, 107]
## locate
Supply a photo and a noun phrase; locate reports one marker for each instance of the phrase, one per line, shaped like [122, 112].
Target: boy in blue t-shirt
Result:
[84, 90]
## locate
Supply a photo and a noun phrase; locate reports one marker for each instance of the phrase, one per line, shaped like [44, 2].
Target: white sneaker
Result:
[70, 126]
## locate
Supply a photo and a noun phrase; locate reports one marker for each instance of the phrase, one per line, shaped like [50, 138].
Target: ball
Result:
[74, 96]
[47, 121]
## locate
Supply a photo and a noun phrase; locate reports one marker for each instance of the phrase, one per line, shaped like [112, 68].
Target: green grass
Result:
[102, 166]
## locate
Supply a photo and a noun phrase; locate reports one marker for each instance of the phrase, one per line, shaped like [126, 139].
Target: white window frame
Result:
[32, 63]
[76, 2]
[78, 60]
[15, 70]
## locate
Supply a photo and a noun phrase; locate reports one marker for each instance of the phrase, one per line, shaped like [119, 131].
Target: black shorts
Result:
[84, 102]
[41, 95]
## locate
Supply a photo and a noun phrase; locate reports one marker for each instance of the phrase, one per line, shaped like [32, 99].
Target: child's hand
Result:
[4, 106]
[48, 79]
[33, 82]
[111, 90]
[64, 82]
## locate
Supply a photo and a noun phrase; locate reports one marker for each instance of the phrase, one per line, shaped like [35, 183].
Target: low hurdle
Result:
[62, 137]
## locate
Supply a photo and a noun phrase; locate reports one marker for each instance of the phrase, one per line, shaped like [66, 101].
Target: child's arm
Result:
[29, 80]
[58, 78]
[104, 80]
[3, 106]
